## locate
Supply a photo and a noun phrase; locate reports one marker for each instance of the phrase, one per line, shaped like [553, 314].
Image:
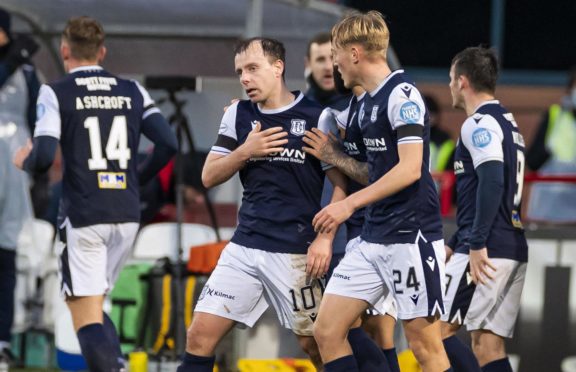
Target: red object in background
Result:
[447, 182]
[165, 176]
[536, 177]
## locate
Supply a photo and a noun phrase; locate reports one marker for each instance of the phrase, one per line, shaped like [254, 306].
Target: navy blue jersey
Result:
[398, 218]
[281, 191]
[491, 134]
[353, 147]
[96, 116]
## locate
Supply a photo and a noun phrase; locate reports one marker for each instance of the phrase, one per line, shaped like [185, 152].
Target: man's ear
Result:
[65, 51]
[463, 82]
[355, 53]
[278, 68]
[102, 54]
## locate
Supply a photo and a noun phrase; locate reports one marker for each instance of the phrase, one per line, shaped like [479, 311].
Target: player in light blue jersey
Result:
[274, 257]
[97, 119]
[400, 248]
[485, 275]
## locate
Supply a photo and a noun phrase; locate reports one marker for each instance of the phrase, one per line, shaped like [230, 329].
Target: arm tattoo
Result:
[332, 154]
[356, 170]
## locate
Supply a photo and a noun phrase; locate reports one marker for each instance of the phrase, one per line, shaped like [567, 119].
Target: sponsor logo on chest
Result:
[375, 144]
[458, 167]
[351, 148]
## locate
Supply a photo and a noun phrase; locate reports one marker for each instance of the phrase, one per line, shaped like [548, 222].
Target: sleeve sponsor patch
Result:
[481, 137]
[410, 112]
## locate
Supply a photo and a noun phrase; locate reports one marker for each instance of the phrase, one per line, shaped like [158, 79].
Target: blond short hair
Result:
[85, 36]
[367, 29]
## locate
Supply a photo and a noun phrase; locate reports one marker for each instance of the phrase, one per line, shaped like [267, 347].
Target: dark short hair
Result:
[85, 36]
[480, 66]
[272, 48]
[321, 38]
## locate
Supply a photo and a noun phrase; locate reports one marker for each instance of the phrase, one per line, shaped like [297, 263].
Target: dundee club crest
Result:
[298, 127]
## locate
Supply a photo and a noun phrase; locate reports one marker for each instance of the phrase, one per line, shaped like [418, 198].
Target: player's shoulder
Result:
[480, 130]
[304, 102]
[477, 120]
[64, 81]
[405, 102]
[403, 89]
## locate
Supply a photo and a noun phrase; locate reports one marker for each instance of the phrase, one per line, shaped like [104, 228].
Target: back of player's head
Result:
[366, 29]
[480, 66]
[321, 38]
[85, 36]
[271, 48]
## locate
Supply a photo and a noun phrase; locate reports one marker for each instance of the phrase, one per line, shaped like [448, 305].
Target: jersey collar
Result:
[375, 91]
[284, 108]
[86, 68]
[490, 102]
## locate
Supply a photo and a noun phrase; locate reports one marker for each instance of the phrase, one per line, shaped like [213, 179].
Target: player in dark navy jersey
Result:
[350, 158]
[485, 276]
[97, 119]
[274, 256]
[401, 241]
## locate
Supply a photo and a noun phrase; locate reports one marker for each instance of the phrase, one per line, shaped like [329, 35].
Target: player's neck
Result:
[373, 74]
[475, 100]
[283, 98]
[74, 64]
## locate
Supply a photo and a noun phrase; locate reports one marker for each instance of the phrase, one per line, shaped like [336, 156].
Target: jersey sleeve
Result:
[227, 140]
[327, 123]
[149, 105]
[406, 107]
[482, 136]
[48, 122]
[342, 118]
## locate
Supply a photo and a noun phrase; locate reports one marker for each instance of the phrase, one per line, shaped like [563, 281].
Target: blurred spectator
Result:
[18, 92]
[19, 86]
[553, 152]
[441, 144]
[319, 74]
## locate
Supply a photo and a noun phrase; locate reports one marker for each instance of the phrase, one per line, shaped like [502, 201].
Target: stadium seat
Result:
[160, 240]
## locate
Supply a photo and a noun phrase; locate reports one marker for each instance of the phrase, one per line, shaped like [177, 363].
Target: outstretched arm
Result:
[402, 175]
